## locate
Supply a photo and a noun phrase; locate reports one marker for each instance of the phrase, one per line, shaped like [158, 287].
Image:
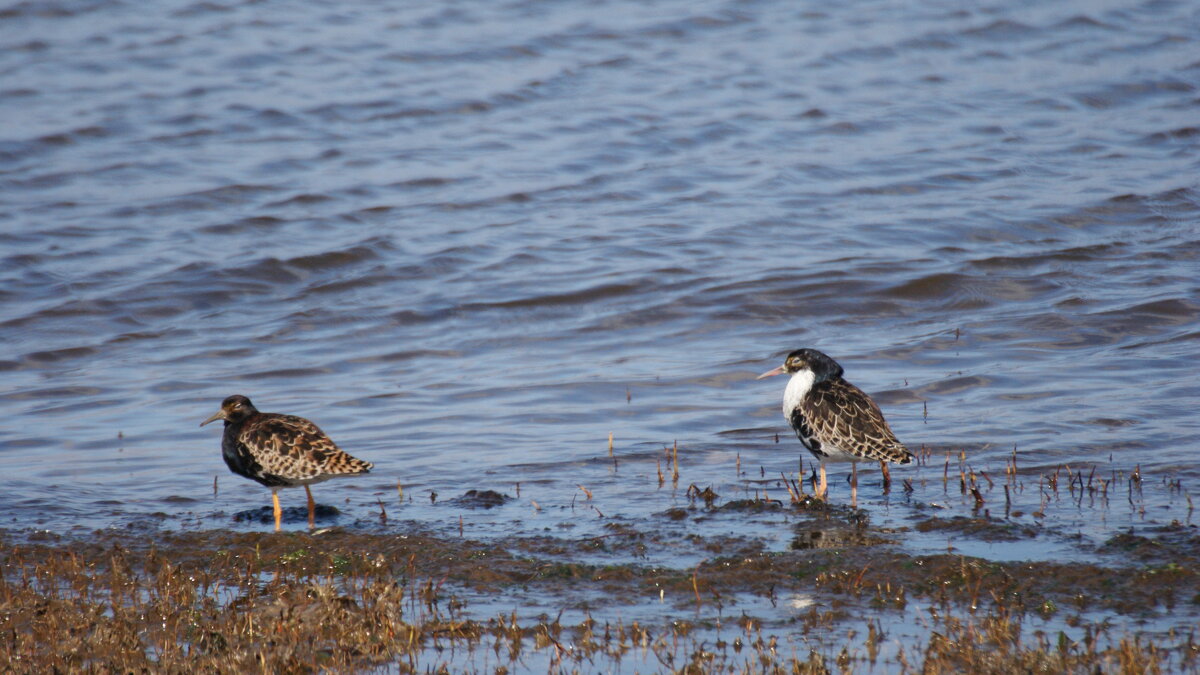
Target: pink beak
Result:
[778, 371]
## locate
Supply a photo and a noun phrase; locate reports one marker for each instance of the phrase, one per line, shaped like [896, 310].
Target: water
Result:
[473, 239]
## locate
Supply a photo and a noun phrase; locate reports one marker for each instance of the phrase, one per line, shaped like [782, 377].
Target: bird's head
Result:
[233, 409]
[818, 363]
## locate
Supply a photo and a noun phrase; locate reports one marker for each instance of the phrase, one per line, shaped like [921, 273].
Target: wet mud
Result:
[347, 600]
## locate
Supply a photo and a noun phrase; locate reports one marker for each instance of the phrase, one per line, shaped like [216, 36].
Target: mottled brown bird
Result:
[834, 419]
[280, 451]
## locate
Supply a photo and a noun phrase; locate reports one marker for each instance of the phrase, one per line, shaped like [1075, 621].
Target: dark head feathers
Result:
[821, 364]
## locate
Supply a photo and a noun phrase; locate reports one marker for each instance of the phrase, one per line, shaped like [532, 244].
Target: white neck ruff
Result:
[797, 388]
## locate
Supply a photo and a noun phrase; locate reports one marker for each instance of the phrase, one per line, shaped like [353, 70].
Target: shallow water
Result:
[472, 240]
[725, 629]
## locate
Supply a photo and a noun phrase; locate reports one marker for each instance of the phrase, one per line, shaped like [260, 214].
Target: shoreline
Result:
[349, 601]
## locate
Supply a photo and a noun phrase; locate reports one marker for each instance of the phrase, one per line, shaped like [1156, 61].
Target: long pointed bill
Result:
[778, 371]
[220, 414]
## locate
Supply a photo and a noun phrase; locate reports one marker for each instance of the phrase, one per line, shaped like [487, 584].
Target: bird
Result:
[280, 451]
[834, 420]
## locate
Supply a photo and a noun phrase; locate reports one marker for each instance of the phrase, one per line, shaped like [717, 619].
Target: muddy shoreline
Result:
[842, 597]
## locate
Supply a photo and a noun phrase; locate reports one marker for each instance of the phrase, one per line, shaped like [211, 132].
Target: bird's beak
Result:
[219, 415]
[778, 371]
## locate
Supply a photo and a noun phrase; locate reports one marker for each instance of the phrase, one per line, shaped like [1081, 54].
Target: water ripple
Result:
[472, 240]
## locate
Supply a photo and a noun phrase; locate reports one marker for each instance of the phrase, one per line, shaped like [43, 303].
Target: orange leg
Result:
[887, 475]
[278, 511]
[312, 509]
[822, 486]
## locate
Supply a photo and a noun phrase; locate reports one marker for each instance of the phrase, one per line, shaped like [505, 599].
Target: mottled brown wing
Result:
[299, 448]
[842, 415]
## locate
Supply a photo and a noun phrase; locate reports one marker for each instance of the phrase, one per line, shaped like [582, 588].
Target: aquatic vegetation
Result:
[349, 601]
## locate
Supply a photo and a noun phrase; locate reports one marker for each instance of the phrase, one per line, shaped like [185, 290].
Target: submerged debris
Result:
[481, 499]
[291, 514]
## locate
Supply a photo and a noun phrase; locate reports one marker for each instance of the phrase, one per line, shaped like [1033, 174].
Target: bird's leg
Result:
[312, 509]
[887, 476]
[854, 485]
[822, 485]
[278, 511]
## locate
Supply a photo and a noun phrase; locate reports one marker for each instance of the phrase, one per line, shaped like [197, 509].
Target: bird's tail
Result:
[345, 464]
